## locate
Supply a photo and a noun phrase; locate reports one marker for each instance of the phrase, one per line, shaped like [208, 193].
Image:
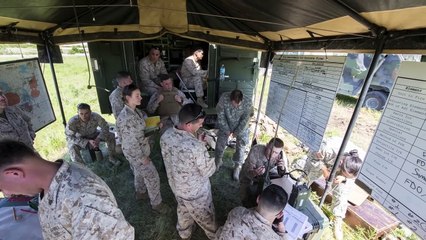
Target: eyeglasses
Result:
[202, 114]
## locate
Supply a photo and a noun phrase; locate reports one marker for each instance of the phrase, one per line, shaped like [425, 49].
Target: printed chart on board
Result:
[24, 87]
[310, 100]
[395, 165]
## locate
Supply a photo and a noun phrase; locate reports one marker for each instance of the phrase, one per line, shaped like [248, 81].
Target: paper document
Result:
[152, 122]
[295, 222]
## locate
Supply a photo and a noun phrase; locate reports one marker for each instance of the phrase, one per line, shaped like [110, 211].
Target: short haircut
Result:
[83, 106]
[164, 77]
[128, 90]
[122, 75]
[190, 112]
[278, 143]
[351, 163]
[13, 152]
[273, 198]
[154, 48]
[197, 49]
[236, 96]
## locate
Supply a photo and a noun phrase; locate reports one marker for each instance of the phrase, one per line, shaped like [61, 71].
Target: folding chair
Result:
[188, 92]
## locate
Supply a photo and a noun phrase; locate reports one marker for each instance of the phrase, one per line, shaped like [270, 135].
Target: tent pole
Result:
[379, 44]
[268, 56]
[55, 81]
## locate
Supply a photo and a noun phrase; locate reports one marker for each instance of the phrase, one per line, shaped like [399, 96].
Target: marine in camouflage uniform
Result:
[192, 75]
[116, 100]
[167, 102]
[156, 107]
[149, 71]
[319, 161]
[341, 193]
[189, 166]
[16, 125]
[79, 205]
[349, 167]
[231, 119]
[116, 97]
[78, 134]
[136, 149]
[247, 224]
[249, 180]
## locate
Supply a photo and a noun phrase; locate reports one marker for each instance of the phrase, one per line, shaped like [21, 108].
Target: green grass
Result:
[346, 101]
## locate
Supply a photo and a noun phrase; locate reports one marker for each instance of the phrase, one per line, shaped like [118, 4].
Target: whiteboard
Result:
[309, 103]
[24, 86]
[395, 165]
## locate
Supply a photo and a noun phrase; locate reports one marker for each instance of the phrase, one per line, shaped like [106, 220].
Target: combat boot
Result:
[236, 175]
[201, 102]
[338, 231]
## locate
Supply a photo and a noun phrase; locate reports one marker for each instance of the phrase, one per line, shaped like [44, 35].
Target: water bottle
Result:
[222, 73]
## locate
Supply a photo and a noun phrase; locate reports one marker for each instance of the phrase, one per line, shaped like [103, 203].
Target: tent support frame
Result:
[55, 80]
[374, 29]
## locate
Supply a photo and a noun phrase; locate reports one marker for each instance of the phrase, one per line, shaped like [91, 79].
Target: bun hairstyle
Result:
[351, 162]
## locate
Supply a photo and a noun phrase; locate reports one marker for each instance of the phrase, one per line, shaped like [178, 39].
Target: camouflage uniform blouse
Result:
[191, 70]
[255, 159]
[79, 205]
[17, 126]
[231, 119]
[187, 163]
[131, 126]
[149, 72]
[116, 100]
[247, 224]
[79, 132]
[153, 104]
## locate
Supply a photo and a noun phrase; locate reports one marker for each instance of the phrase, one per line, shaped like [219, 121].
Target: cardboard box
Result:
[371, 215]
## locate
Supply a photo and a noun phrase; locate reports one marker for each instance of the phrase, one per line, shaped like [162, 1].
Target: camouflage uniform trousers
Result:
[74, 149]
[197, 83]
[241, 150]
[200, 211]
[146, 179]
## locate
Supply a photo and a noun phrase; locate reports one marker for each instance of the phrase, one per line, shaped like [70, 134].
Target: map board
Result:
[395, 165]
[24, 86]
[309, 103]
